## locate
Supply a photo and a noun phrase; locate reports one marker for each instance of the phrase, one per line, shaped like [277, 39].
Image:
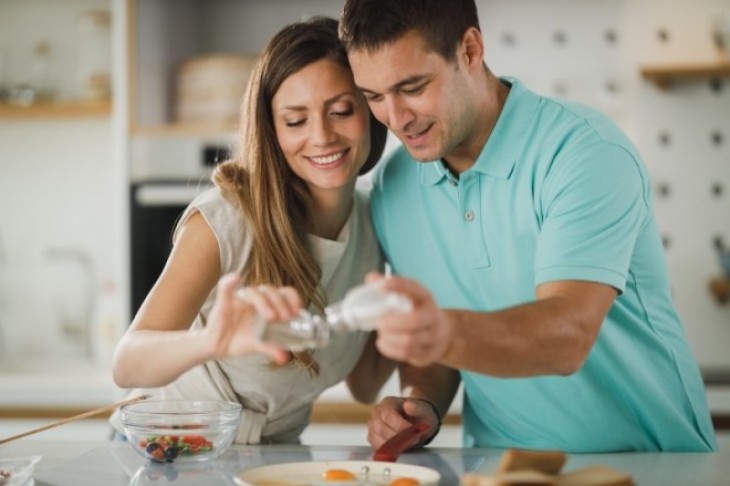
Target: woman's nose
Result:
[322, 132]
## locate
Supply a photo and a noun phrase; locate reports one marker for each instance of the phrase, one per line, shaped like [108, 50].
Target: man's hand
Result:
[394, 414]
[420, 337]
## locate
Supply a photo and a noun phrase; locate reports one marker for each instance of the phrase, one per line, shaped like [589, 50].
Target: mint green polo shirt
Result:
[557, 193]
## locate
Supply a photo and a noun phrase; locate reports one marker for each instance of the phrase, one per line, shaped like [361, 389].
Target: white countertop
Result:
[114, 463]
[58, 385]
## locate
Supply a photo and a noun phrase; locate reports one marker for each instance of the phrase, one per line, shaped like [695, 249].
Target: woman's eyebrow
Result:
[328, 102]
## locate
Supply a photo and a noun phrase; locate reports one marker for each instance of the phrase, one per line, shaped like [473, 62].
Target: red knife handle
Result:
[405, 439]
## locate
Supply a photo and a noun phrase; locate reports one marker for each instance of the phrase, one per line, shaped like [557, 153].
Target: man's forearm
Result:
[435, 383]
[550, 336]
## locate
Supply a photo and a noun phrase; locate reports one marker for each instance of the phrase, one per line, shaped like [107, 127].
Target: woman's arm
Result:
[370, 373]
[159, 346]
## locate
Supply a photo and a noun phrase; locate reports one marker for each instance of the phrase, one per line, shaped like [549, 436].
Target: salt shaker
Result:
[358, 311]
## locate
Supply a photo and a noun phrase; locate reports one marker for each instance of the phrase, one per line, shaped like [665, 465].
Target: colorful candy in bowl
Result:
[180, 430]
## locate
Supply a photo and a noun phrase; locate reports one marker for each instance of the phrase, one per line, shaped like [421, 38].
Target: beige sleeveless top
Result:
[277, 402]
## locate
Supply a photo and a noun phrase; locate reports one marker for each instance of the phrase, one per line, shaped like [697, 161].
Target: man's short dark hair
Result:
[370, 24]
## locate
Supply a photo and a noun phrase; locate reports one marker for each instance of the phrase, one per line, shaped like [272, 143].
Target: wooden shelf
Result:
[355, 413]
[322, 413]
[184, 129]
[56, 110]
[663, 75]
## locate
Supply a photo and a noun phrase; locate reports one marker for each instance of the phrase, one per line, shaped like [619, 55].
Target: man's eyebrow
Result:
[400, 84]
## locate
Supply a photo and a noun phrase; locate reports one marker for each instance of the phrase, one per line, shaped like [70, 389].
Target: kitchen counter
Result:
[115, 463]
[37, 383]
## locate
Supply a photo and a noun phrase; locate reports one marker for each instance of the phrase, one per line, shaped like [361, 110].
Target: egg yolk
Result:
[405, 482]
[338, 475]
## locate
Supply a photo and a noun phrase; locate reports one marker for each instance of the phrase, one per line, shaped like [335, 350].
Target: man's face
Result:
[420, 96]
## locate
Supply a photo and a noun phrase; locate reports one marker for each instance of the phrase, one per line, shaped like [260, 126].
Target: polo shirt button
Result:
[469, 215]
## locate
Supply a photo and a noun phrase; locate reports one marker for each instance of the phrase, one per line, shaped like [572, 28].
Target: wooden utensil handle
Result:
[74, 418]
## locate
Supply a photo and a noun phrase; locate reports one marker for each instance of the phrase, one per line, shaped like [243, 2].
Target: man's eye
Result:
[414, 91]
[373, 98]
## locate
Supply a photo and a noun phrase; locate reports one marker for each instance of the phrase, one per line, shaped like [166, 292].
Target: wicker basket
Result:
[209, 89]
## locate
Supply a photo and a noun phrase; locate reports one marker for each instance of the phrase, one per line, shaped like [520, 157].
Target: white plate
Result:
[311, 473]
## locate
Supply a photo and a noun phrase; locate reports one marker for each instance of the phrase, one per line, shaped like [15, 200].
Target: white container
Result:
[105, 324]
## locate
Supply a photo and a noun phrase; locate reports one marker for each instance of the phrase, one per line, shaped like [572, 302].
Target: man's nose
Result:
[398, 114]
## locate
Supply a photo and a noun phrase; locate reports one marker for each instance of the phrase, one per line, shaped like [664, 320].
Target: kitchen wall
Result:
[57, 194]
[60, 189]
[63, 182]
[592, 52]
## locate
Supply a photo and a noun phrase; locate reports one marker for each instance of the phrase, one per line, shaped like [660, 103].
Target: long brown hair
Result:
[275, 201]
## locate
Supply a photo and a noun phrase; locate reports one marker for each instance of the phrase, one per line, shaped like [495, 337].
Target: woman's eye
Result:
[295, 123]
[342, 113]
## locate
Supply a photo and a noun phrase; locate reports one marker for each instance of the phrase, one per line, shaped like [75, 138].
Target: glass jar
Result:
[94, 67]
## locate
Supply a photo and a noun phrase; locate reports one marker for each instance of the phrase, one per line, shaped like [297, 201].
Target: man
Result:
[526, 238]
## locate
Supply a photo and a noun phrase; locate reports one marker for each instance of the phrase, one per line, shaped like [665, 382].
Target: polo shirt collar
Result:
[502, 150]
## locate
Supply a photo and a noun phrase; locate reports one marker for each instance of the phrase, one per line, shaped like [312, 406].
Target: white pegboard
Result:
[592, 51]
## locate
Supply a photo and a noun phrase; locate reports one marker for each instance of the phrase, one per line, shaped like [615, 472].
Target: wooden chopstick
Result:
[74, 418]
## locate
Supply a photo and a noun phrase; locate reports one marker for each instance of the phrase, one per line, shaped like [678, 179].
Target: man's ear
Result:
[471, 48]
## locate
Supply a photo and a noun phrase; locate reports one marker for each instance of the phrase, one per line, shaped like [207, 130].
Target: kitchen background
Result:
[112, 111]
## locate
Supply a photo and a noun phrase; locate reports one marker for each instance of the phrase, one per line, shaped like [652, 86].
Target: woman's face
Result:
[322, 125]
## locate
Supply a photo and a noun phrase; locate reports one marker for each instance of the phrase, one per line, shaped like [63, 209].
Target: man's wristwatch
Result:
[438, 418]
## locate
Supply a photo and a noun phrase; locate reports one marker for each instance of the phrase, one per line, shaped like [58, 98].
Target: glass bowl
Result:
[17, 471]
[180, 431]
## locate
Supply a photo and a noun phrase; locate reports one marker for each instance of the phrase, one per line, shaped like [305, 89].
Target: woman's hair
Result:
[274, 200]
[371, 24]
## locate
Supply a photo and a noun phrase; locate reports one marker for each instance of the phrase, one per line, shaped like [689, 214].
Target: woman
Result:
[284, 220]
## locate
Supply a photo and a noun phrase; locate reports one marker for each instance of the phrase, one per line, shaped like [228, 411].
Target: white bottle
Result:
[105, 320]
[358, 311]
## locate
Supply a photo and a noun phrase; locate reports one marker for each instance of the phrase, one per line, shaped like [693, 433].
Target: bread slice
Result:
[595, 476]
[511, 478]
[548, 462]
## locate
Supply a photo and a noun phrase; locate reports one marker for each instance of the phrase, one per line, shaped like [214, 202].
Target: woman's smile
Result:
[328, 160]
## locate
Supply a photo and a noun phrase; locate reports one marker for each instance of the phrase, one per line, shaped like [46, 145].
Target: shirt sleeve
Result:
[594, 202]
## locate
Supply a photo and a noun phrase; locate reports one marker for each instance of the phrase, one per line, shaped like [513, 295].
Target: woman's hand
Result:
[232, 325]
